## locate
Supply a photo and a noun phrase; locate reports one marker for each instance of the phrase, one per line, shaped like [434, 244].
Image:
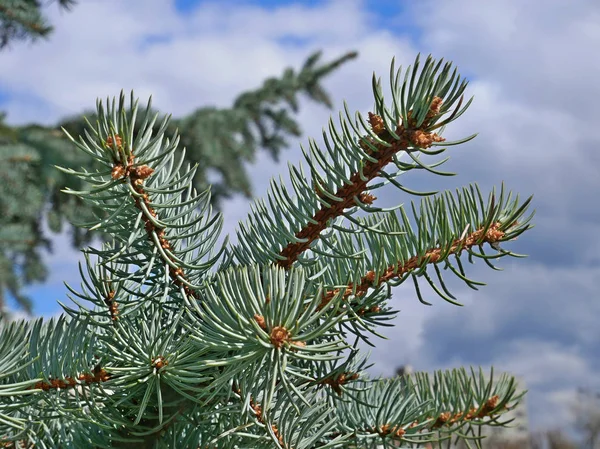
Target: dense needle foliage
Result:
[184, 342]
[218, 140]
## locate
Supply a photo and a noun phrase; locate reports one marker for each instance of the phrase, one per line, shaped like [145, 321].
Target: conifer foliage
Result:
[219, 140]
[23, 19]
[181, 341]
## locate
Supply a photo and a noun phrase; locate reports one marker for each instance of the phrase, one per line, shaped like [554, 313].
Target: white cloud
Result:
[545, 363]
[553, 374]
[532, 321]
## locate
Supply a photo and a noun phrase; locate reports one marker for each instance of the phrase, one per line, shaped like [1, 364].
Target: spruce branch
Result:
[133, 195]
[454, 403]
[373, 280]
[259, 104]
[176, 342]
[29, 20]
[220, 140]
[359, 180]
[381, 249]
[351, 163]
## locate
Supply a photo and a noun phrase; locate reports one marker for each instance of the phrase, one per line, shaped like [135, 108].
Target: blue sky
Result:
[534, 107]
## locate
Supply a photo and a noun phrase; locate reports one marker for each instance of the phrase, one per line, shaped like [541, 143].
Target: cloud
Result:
[199, 59]
[533, 108]
[523, 302]
[553, 372]
[528, 48]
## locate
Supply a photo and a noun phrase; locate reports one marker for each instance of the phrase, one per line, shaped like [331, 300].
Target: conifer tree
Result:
[23, 19]
[220, 140]
[19, 259]
[178, 341]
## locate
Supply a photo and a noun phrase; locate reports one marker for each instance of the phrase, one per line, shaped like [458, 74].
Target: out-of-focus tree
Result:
[23, 19]
[586, 413]
[552, 439]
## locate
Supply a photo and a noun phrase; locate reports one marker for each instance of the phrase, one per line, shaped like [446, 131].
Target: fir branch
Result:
[257, 410]
[84, 379]
[455, 403]
[34, 27]
[351, 161]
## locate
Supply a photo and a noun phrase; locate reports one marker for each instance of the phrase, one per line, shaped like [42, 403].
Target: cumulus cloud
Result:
[533, 108]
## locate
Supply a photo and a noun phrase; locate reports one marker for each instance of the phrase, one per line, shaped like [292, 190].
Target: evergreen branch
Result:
[434, 255]
[351, 164]
[394, 252]
[85, 379]
[275, 89]
[129, 181]
[339, 378]
[359, 180]
[256, 103]
[21, 19]
[254, 354]
[47, 357]
[273, 430]
[290, 428]
[249, 320]
[288, 228]
[135, 175]
[410, 409]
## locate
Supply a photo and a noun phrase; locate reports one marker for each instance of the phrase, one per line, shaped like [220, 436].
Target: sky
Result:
[533, 73]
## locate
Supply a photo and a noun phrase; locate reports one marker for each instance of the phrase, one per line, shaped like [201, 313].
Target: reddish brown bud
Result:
[118, 171]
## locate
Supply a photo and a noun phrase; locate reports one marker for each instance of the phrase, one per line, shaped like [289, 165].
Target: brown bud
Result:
[118, 171]
[367, 198]
[279, 335]
[377, 123]
[260, 320]
[142, 172]
[110, 141]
